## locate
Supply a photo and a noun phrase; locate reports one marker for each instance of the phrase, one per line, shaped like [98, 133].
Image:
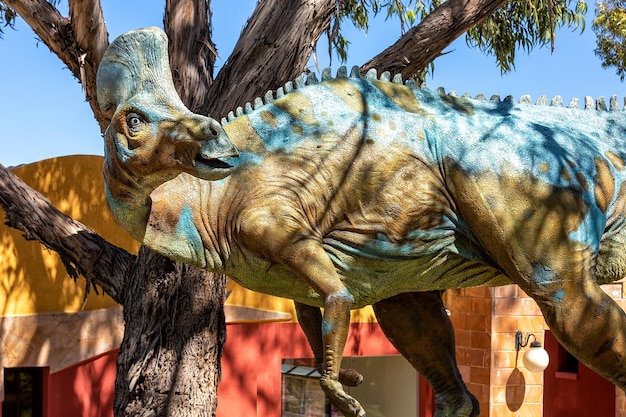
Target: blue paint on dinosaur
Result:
[543, 275]
[558, 296]
[187, 232]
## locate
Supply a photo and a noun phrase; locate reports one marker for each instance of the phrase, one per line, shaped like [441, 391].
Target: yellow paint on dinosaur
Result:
[460, 104]
[401, 95]
[247, 138]
[615, 160]
[347, 92]
[604, 184]
[299, 107]
[269, 118]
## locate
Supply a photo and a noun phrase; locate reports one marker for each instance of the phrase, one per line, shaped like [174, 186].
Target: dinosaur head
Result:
[152, 133]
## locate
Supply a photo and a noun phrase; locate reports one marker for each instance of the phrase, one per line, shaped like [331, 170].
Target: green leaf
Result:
[610, 29]
[524, 25]
[7, 18]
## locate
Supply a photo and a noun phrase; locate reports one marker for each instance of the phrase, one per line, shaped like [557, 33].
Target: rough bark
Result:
[426, 41]
[273, 48]
[91, 40]
[169, 358]
[187, 24]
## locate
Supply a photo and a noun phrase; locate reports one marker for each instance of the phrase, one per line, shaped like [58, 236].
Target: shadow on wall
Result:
[515, 390]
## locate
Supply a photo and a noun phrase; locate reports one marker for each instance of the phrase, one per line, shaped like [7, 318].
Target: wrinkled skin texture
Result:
[361, 191]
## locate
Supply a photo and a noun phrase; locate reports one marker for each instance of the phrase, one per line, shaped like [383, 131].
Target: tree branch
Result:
[89, 29]
[192, 53]
[424, 43]
[52, 28]
[82, 251]
[91, 39]
[277, 42]
[70, 40]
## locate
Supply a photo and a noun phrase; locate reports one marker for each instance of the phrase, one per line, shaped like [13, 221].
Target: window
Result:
[567, 364]
[23, 392]
[389, 389]
[302, 395]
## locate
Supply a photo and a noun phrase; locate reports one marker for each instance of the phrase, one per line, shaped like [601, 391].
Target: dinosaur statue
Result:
[356, 191]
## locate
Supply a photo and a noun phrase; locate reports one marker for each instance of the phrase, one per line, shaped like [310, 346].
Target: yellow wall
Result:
[33, 278]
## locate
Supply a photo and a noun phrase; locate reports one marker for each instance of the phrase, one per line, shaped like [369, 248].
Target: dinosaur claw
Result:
[350, 377]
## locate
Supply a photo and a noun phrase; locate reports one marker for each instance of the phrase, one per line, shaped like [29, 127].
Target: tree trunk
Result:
[169, 359]
[192, 52]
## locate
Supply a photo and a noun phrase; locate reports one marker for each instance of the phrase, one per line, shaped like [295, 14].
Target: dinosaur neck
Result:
[127, 195]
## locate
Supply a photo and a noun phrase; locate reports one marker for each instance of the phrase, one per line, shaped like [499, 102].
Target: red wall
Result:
[585, 394]
[85, 389]
[251, 372]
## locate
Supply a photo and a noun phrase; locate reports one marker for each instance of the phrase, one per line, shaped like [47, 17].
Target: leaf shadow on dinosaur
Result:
[358, 191]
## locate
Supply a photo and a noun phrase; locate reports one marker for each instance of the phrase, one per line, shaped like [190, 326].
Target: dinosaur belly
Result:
[384, 269]
[372, 274]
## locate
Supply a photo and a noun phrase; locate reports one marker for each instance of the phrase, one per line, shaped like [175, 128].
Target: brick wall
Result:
[620, 403]
[515, 391]
[485, 321]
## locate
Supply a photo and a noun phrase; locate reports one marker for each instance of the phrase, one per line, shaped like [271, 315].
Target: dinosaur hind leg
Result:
[418, 326]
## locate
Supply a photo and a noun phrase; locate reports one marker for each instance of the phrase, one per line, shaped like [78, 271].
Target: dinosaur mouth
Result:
[209, 159]
[204, 165]
[211, 169]
[213, 163]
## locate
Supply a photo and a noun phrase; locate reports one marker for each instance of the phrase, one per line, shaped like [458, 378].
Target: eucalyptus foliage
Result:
[523, 25]
[408, 13]
[7, 18]
[610, 28]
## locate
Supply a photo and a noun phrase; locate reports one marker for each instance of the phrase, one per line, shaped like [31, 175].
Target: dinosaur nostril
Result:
[214, 129]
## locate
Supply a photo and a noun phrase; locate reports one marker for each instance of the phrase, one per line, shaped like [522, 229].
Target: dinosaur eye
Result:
[134, 122]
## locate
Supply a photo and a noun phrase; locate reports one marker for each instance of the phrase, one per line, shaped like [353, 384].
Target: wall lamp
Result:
[536, 358]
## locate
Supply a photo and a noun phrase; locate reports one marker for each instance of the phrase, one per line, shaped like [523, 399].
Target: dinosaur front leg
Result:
[418, 326]
[308, 260]
[310, 319]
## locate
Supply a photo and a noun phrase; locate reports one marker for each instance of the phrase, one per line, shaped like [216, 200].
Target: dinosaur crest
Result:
[452, 98]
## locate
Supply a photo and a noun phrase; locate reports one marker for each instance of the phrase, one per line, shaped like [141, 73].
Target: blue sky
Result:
[43, 112]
